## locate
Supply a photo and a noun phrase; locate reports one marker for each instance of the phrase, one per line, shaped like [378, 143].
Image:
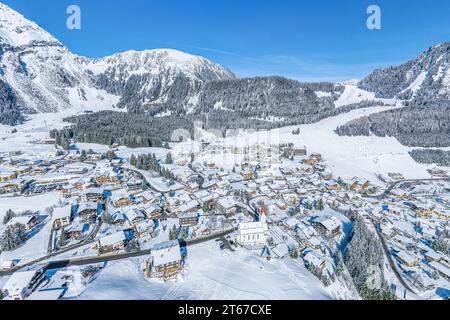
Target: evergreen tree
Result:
[13, 237]
[364, 255]
[108, 219]
[320, 206]
[8, 216]
[169, 159]
[62, 238]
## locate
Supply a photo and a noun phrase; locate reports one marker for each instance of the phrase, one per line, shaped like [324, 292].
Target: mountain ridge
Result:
[419, 81]
[39, 74]
[44, 76]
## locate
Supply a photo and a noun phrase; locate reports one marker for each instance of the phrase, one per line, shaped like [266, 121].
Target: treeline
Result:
[149, 162]
[430, 156]
[10, 113]
[131, 130]
[412, 126]
[264, 97]
[254, 103]
[136, 129]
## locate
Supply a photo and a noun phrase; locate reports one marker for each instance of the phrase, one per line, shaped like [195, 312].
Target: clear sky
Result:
[302, 39]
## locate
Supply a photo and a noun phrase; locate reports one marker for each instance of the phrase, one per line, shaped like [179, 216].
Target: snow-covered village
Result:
[161, 175]
[76, 221]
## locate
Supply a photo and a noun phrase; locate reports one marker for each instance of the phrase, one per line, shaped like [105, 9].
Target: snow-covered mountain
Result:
[166, 78]
[39, 74]
[42, 74]
[421, 81]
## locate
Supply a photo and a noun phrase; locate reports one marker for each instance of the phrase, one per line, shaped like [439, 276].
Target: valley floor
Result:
[212, 273]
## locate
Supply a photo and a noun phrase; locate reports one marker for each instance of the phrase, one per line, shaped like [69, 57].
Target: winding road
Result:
[63, 263]
[394, 185]
[391, 260]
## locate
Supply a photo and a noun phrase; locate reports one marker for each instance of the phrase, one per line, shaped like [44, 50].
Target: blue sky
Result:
[301, 39]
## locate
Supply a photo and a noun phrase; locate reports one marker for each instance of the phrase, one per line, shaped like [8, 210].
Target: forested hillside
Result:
[412, 126]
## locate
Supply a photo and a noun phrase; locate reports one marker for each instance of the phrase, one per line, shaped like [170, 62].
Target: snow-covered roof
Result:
[314, 241]
[183, 172]
[87, 206]
[188, 215]
[21, 220]
[227, 202]
[166, 252]
[147, 195]
[62, 213]
[188, 206]
[441, 268]
[407, 258]
[314, 258]
[92, 191]
[252, 228]
[151, 208]
[281, 250]
[119, 194]
[75, 228]
[201, 194]
[112, 239]
[7, 264]
[433, 255]
[18, 282]
[308, 231]
[291, 223]
[134, 214]
[118, 215]
[329, 222]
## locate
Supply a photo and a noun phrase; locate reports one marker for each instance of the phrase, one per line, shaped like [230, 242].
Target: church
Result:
[254, 234]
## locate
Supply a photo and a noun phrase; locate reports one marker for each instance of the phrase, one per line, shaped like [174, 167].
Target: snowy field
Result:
[36, 246]
[124, 152]
[211, 274]
[36, 203]
[348, 157]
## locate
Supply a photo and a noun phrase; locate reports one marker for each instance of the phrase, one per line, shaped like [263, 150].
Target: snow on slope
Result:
[211, 274]
[46, 77]
[347, 157]
[352, 94]
[416, 84]
[18, 31]
[421, 81]
[37, 245]
[359, 156]
[157, 61]
[43, 74]
[156, 77]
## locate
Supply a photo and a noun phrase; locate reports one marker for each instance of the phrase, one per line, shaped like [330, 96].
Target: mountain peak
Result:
[171, 57]
[164, 60]
[16, 30]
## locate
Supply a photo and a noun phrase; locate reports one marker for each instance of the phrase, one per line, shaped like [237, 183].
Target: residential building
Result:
[165, 260]
[112, 243]
[62, 216]
[21, 284]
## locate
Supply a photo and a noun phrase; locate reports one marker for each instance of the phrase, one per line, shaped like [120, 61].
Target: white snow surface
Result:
[348, 157]
[211, 274]
[352, 94]
[16, 30]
